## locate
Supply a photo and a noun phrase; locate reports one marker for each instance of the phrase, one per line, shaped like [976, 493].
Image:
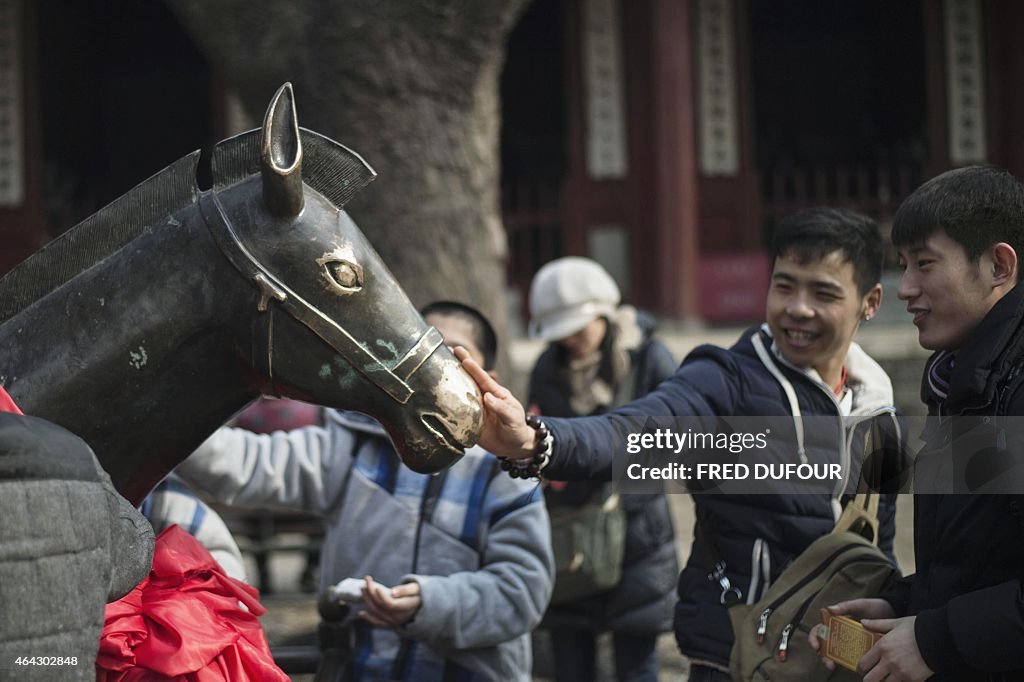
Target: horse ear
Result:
[281, 155]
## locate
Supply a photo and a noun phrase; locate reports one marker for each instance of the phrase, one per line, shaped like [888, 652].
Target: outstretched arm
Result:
[585, 447]
[302, 469]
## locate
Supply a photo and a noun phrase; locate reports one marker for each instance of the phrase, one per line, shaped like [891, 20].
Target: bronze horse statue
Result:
[152, 322]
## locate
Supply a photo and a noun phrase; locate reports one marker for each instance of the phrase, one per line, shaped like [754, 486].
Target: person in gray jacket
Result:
[461, 562]
[69, 544]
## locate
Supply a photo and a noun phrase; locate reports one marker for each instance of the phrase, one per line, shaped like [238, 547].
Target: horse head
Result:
[149, 324]
[330, 323]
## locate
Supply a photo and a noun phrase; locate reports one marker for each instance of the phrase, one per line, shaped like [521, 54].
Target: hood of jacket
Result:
[868, 382]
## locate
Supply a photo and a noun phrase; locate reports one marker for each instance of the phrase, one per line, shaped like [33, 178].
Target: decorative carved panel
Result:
[965, 81]
[605, 111]
[717, 116]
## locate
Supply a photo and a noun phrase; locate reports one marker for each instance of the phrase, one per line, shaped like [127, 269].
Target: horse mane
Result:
[332, 169]
[99, 236]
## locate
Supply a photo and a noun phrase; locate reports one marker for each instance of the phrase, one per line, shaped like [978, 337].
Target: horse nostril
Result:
[440, 429]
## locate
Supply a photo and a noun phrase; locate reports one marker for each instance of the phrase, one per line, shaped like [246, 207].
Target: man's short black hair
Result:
[814, 233]
[976, 206]
[483, 333]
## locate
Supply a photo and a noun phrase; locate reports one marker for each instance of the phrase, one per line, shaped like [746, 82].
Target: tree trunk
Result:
[412, 86]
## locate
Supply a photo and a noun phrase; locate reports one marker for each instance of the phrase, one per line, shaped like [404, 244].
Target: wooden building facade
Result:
[675, 133]
[665, 138]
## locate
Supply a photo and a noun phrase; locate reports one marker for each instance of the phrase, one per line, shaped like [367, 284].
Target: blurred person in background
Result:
[602, 355]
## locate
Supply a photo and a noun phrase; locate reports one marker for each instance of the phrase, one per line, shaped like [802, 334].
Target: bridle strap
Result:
[391, 380]
[262, 344]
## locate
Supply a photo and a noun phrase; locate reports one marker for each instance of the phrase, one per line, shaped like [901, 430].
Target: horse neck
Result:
[138, 355]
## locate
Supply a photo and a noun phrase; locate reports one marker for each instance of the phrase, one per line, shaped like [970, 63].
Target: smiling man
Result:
[802, 362]
[961, 616]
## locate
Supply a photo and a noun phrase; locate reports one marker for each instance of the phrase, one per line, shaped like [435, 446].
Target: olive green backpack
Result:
[771, 635]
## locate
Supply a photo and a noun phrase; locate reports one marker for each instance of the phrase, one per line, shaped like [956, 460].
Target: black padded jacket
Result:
[968, 589]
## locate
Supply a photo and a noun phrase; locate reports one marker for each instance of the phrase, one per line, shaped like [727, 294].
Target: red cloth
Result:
[7, 403]
[184, 623]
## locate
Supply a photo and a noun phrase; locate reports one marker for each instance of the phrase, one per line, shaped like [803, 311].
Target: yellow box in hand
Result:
[845, 640]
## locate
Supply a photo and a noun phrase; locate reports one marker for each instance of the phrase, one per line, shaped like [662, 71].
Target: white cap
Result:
[568, 294]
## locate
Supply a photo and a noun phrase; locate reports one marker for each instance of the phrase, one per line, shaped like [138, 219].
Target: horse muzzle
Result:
[443, 419]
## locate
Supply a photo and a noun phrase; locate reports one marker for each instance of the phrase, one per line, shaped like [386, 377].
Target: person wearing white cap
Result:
[601, 355]
[569, 294]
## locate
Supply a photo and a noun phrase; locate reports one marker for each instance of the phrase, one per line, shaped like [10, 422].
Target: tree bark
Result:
[412, 86]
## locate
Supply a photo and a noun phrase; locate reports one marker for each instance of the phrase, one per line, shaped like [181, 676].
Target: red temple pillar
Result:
[674, 252]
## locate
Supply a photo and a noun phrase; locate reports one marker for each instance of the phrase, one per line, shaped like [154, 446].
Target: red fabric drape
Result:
[184, 623]
[7, 403]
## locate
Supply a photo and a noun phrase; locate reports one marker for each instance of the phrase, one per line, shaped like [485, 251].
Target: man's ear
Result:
[872, 302]
[1004, 264]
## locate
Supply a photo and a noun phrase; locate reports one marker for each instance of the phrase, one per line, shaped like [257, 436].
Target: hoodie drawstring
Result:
[787, 387]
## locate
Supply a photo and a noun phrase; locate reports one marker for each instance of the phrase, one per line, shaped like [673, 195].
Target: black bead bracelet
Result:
[533, 467]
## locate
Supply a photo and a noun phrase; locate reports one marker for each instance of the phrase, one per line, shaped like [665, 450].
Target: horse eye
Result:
[345, 275]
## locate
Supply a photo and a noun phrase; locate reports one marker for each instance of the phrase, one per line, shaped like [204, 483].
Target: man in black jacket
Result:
[961, 616]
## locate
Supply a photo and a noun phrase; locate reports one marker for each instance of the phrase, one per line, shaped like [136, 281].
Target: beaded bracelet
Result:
[541, 453]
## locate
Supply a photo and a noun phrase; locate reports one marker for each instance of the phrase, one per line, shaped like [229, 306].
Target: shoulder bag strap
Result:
[861, 514]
